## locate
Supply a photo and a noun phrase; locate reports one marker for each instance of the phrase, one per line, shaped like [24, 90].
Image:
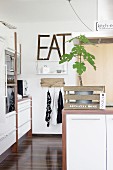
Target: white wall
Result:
[105, 8]
[28, 36]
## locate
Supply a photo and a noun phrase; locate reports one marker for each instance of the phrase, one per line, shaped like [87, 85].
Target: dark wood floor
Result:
[38, 153]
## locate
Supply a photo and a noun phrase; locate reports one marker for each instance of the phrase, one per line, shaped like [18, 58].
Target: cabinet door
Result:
[109, 142]
[2, 81]
[85, 142]
[24, 117]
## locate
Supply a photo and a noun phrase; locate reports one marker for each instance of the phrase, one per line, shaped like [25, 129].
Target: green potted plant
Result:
[81, 55]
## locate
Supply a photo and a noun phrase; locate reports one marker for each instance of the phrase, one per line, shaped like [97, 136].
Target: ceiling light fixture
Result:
[8, 25]
[78, 15]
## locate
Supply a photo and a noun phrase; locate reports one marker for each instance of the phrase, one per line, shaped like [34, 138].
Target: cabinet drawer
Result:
[23, 104]
[10, 122]
[23, 116]
[22, 130]
[7, 141]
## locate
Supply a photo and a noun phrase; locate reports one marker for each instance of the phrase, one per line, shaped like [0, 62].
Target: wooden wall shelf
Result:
[52, 82]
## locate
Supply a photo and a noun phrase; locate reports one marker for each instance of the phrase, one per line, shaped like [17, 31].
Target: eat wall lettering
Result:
[53, 41]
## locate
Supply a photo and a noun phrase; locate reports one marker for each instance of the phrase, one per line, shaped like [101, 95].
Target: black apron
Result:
[60, 107]
[48, 109]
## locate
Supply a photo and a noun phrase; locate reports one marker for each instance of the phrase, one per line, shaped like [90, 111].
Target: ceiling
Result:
[19, 11]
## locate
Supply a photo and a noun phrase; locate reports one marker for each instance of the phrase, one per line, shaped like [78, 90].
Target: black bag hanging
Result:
[60, 107]
[48, 109]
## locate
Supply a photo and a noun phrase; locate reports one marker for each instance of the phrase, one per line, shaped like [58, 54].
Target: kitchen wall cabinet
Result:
[87, 139]
[8, 35]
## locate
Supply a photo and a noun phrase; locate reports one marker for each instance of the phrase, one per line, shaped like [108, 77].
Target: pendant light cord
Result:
[78, 16]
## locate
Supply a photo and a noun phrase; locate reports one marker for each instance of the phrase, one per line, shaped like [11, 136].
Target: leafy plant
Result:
[81, 55]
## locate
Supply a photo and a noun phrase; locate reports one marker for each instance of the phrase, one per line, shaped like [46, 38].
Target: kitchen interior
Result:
[30, 49]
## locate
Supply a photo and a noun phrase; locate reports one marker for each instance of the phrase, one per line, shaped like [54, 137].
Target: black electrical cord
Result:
[78, 16]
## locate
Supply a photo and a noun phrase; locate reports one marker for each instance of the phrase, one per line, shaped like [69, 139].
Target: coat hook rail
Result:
[52, 82]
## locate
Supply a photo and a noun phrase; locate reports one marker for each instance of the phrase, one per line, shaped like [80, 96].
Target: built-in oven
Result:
[10, 80]
[10, 100]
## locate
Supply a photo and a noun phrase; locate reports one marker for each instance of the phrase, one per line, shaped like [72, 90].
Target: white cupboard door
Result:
[85, 142]
[109, 142]
[2, 81]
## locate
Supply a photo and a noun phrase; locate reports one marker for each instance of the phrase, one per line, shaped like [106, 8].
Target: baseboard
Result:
[22, 139]
[47, 135]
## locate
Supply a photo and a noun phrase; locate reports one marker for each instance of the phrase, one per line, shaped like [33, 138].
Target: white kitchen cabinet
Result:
[8, 35]
[7, 44]
[24, 117]
[109, 123]
[2, 80]
[86, 142]
[23, 129]
[8, 88]
[87, 139]
[8, 133]
[7, 141]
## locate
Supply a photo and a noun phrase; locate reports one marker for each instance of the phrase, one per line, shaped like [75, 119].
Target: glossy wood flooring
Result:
[36, 153]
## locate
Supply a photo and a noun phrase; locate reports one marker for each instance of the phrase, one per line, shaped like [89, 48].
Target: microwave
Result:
[22, 87]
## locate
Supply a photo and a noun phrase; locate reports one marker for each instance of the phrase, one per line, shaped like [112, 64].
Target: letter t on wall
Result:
[64, 39]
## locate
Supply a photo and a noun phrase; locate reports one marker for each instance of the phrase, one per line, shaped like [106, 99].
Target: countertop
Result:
[108, 110]
[25, 98]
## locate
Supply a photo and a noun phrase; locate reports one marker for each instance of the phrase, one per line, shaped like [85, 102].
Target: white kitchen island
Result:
[87, 139]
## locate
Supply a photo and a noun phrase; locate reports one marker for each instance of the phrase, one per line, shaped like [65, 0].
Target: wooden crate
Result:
[75, 101]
